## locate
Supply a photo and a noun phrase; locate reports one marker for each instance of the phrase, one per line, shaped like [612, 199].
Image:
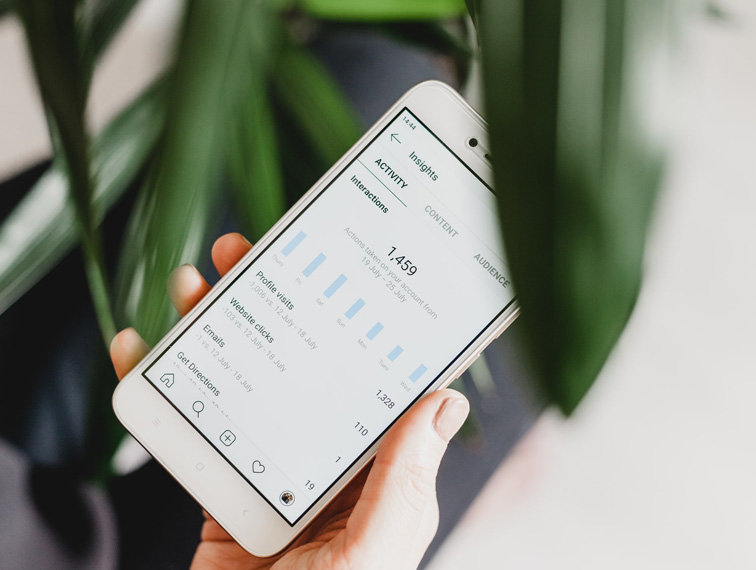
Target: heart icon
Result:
[257, 467]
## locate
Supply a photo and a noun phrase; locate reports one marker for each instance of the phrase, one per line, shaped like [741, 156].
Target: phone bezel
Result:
[181, 450]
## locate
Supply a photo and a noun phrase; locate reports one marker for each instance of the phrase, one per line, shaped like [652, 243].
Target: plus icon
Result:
[227, 438]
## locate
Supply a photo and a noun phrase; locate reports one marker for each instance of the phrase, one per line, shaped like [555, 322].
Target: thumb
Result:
[397, 512]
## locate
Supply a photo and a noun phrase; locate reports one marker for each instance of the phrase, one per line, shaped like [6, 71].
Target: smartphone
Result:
[382, 284]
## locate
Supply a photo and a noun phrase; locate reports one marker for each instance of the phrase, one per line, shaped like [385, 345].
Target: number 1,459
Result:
[403, 262]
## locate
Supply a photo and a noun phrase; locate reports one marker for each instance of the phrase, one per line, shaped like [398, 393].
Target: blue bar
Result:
[372, 333]
[395, 353]
[314, 264]
[333, 287]
[292, 245]
[352, 311]
[417, 373]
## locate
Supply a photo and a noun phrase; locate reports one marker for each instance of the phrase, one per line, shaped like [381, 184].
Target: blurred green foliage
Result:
[578, 146]
[577, 156]
[62, 80]
[383, 10]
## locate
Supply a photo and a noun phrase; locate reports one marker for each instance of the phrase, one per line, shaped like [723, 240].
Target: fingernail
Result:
[450, 416]
[126, 339]
[249, 243]
[115, 342]
[127, 336]
[170, 284]
[174, 275]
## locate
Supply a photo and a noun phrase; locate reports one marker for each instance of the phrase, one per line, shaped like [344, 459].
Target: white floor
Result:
[658, 467]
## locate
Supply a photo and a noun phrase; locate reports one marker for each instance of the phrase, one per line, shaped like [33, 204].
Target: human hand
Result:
[388, 514]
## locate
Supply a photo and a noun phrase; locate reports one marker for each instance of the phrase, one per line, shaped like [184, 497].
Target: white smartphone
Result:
[382, 284]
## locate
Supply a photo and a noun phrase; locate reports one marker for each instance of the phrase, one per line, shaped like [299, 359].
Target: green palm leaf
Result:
[577, 161]
[63, 70]
[98, 22]
[42, 228]
[51, 33]
[309, 96]
[384, 9]
[253, 158]
[172, 218]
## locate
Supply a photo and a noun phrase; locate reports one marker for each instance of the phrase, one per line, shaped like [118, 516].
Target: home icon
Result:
[167, 379]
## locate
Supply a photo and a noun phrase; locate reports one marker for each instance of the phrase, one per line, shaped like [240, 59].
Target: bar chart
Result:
[292, 245]
[354, 309]
[335, 286]
[373, 332]
[312, 265]
[394, 354]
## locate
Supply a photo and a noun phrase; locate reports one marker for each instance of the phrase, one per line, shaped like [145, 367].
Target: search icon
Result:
[198, 406]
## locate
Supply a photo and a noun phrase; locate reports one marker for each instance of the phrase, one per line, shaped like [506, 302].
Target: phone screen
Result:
[346, 319]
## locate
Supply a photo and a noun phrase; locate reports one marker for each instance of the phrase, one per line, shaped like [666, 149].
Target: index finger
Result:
[126, 350]
[228, 250]
[187, 286]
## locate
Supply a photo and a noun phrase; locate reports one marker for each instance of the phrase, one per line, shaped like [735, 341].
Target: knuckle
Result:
[417, 482]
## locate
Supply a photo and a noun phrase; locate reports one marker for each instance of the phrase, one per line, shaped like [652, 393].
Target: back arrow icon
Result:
[395, 138]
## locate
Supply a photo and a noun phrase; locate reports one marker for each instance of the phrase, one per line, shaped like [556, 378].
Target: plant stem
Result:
[52, 37]
[97, 281]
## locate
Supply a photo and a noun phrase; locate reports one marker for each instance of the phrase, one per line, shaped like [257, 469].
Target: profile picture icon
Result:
[286, 498]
